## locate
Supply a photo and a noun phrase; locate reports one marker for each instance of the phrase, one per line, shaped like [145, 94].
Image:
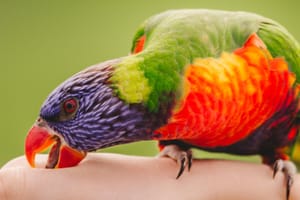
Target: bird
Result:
[220, 81]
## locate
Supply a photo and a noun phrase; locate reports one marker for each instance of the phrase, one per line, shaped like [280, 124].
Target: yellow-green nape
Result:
[129, 80]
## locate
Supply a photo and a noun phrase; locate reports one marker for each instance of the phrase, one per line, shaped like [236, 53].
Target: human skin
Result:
[113, 176]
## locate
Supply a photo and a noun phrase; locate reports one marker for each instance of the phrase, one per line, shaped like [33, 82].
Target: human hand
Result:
[112, 176]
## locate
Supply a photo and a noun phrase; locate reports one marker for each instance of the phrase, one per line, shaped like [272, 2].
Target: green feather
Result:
[281, 44]
[175, 38]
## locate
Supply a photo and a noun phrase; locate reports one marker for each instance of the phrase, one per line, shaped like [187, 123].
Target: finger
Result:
[85, 181]
[111, 176]
[22, 162]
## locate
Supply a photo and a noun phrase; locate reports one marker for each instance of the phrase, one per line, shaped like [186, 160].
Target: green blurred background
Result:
[44, 42]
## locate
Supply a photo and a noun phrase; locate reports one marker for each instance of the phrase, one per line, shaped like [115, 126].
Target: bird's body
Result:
[214, 80]
[237, 112]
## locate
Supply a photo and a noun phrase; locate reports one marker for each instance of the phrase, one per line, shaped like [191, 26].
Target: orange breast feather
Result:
[227, 98]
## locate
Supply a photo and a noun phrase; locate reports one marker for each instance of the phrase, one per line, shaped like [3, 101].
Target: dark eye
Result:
[70, 106]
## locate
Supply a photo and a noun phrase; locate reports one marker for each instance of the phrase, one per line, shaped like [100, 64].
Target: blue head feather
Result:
[102, 119]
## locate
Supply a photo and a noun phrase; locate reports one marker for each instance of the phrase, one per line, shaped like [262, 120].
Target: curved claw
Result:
[183, 157]
[289, 170]
[186, 159]
[190, 160]
[278, 165]
[182, 167]
[289, 183]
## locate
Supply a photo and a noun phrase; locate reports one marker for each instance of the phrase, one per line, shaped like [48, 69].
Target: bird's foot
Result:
[183, 157]
[289, 169]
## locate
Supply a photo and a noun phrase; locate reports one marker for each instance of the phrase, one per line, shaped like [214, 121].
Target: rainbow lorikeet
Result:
[215, 80]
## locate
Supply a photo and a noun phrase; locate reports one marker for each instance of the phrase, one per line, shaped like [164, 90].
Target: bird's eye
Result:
[70, 105]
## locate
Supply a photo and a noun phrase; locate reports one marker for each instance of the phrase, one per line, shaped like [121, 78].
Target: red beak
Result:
[40, 137]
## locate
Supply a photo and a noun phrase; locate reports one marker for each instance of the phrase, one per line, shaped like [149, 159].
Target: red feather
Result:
[227, 98]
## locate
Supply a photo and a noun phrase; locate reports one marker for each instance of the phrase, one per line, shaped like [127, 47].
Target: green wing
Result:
[175, 38]
[281, 44]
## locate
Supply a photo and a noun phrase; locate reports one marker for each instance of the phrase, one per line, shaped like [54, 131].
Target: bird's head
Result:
[118, 101]
[82, 114]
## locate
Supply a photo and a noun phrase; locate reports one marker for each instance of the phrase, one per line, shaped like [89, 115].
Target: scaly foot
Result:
[183, 157]
[289, 169]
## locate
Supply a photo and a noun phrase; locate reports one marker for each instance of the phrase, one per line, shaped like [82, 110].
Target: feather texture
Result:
[226, 99]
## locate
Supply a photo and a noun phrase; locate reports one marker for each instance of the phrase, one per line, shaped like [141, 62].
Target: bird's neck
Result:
[149, 78]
